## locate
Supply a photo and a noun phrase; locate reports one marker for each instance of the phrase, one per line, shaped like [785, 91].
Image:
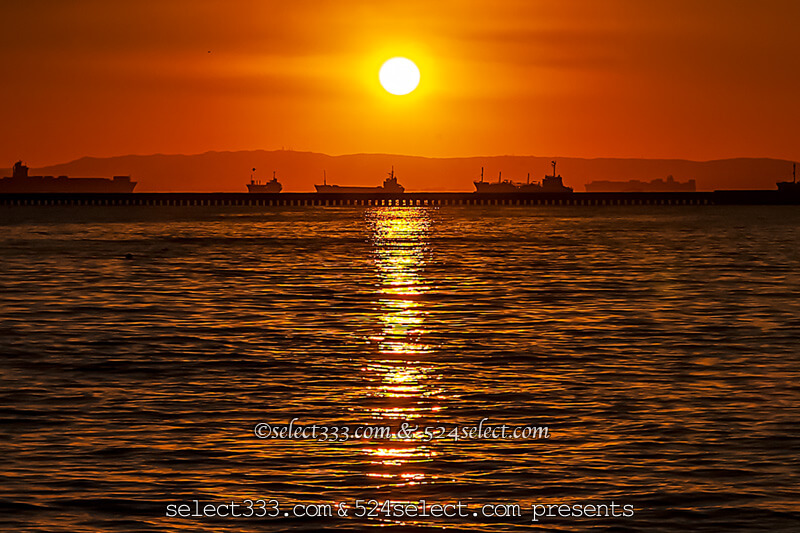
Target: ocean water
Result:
[660, 346]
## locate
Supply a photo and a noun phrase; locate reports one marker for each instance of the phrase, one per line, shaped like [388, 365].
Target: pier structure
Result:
[413, 199]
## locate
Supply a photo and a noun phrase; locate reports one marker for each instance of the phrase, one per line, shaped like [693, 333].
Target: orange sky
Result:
[697, 79]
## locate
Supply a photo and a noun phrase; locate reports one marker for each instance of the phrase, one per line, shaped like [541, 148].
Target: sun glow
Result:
[399, 75]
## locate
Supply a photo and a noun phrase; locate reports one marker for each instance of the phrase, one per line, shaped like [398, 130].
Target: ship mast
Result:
[324, 177]
[481, 174]
[499, 175]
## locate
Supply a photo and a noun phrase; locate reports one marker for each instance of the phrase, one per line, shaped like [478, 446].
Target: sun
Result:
[399, 75]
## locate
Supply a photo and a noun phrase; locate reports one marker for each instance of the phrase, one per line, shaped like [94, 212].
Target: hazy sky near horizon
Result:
[696, 79]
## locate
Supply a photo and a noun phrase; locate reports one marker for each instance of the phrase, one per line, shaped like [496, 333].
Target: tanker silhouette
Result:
[390, 184]
[21, 182]
[550, 183]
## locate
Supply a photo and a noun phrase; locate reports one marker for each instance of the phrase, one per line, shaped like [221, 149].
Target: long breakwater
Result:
[413, 199]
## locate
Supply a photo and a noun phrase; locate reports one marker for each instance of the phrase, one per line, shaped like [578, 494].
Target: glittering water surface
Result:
[658, 345]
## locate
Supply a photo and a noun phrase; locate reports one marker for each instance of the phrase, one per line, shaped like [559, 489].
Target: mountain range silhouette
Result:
[299, 171]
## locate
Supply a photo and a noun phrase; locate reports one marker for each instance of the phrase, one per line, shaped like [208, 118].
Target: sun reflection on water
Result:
[400, 382]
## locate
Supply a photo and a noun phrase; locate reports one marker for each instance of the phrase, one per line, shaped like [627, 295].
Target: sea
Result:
[164, 366]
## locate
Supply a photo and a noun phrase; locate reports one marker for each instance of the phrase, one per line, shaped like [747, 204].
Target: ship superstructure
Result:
[554, 183]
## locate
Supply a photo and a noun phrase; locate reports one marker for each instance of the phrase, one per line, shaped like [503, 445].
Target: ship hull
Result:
[353, 190]
[260, 188]
[485, 186]
[789, 187]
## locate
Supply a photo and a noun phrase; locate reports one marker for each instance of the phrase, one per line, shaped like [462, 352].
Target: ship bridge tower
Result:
[20, 170]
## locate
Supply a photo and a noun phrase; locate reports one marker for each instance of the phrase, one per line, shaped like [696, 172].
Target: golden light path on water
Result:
[400, 381]
[659, 347]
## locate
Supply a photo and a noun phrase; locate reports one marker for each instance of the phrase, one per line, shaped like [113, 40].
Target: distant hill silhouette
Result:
[299, 171]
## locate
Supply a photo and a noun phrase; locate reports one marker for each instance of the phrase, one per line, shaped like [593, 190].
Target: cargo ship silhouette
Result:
[390, 185]
[21, 182]
[790, 187]
[272, 185]
[550, 183]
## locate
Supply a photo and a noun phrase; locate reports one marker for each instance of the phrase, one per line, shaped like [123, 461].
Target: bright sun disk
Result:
[399, 75]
